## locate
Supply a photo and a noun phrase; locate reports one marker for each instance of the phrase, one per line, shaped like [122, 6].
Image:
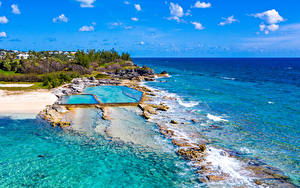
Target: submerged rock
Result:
[161, 107]
[215, 178]
[192, 153]
[61, 124]
[181, 143]
[149, 79]
[147, 108]
[166, 132]
[105, 113]
[163, 74]
[194, 121]
[146, 115]
[59, 108]
[173, 122]
[169, 98]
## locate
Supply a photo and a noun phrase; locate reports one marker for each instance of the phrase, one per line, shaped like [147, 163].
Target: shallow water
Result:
[33, 154]
[248, 105]
[79, 99]
[115, 94]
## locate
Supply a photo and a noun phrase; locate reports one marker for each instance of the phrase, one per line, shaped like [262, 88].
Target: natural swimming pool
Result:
[79, 99]
[115, 94]
[105, 94]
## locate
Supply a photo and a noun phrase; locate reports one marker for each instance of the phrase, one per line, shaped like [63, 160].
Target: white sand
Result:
[25, 102]
[16, 85]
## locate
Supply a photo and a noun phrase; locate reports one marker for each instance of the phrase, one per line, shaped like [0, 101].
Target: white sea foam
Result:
[270, 102]
[215, 118]
[228, 78]
[178, 111]
[229, 165]
[188, 104]
[245, 150]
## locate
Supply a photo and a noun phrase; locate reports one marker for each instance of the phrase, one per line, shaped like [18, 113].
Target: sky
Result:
[154, 28]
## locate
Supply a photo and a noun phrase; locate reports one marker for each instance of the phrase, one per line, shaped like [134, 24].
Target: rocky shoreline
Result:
[196, 151]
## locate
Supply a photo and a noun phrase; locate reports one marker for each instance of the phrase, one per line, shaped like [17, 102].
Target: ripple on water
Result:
[50, 157]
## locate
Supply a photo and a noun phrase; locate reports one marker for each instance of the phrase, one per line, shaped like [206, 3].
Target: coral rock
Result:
[215, 178]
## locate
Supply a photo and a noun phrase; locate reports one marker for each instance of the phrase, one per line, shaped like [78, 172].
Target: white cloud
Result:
[15, 9]
[86, 3]
[61, 18]
[228, 20]
[268, 28]
[188, 13]
[286, 39]
[137, 7]
[117, 24]
[273, 27]
[199, 4]
[262, 27]
[128, 27]
[86, 28]
[126, 2]
[3, 20]
[176, 11]
[272, 18]
[120, 25]
[142, 43]
[3, 35]
[134, 19]
[198, 25]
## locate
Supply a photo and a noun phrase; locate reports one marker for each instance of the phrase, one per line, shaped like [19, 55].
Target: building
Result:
[22, 56]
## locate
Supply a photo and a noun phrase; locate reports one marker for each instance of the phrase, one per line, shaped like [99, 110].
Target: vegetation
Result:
[56, 79]
[54, 68]
[102, 76]
[100, 57]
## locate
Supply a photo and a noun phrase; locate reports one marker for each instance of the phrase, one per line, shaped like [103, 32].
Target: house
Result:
[22, 56]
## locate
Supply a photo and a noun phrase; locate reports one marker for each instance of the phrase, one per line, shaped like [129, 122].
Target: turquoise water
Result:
[79, 99]
[258, 98]
[115, 94]
[34, 154]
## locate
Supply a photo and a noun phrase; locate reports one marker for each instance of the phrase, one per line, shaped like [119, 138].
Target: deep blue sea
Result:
[254, 103]
[258, 98]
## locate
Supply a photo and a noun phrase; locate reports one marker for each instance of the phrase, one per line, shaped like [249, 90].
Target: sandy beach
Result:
[25, 102]
[16, 85]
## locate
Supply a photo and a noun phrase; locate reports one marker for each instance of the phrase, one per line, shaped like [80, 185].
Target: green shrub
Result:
[53, 80]
[102, 76]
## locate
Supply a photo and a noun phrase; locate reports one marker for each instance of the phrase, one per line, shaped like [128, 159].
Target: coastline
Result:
[199, 154]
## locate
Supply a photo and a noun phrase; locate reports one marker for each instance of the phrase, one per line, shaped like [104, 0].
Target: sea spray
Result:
[231, 170]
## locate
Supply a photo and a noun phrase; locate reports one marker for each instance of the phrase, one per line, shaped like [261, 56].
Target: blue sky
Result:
[155, 28]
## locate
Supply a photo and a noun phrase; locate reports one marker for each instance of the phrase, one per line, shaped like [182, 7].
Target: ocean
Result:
[259, 99]
[248, 106]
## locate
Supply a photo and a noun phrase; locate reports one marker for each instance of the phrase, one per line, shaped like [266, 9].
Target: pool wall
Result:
[105, 104]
